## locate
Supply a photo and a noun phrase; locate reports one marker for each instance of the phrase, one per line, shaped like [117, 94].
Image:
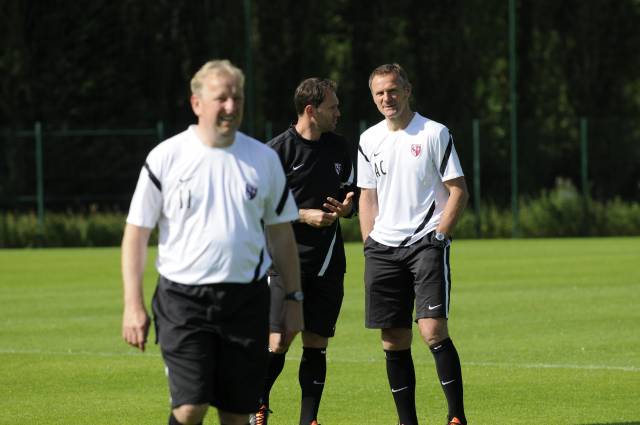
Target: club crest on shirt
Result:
[250, 191]
[338, 167]
[416, 150]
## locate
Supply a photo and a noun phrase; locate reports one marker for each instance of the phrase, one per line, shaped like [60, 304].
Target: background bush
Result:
[560, 212]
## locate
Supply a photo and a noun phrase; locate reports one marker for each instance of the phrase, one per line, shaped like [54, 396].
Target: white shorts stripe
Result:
[327, 259]
[445, 259]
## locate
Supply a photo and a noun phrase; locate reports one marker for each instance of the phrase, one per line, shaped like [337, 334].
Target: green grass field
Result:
[548, 332]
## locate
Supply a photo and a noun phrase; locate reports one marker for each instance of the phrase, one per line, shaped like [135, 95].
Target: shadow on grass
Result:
[615, 423]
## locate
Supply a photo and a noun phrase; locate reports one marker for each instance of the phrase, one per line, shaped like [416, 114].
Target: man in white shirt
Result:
[215, 194]
[412, 193]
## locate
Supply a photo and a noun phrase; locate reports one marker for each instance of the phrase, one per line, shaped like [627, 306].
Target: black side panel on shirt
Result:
[447, 154]
[153, 177]
[421, 226]
[283, 199]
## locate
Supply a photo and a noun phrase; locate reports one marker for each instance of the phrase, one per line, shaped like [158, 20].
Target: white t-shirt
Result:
[210, 205]
[407, 168]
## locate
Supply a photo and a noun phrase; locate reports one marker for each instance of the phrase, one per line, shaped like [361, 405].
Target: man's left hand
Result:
[342, 209]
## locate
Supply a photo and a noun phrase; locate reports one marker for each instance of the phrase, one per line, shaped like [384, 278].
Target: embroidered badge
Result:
[416, 150]
[338, 167]
[251, 191]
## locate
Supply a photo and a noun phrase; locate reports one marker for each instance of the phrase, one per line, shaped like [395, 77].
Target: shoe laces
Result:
[262, 414]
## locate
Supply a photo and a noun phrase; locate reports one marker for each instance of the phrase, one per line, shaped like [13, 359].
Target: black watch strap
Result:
[295, 296]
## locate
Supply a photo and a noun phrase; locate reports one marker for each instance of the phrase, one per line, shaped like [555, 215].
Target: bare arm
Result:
[135, 319]
[368, 210]
[458, 197]
[283, 249]
[319, 218]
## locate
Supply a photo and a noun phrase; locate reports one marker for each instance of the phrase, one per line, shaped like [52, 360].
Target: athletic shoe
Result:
[261, 416]
[314, 422]
[454, 421]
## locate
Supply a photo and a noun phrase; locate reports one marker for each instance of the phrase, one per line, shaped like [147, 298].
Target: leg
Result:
[186, 350]
[228, 418]
[277, 353]
[433, 330]
[322, 303]
[312, 373]
[433, 290]
[277, 348]
[243, 358]
[389, 296]
[435, 334]
[400, 372]
[188, 414]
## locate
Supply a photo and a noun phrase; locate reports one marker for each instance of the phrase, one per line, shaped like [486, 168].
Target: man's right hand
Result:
[293, 319]
[317, 218]
[135, 326]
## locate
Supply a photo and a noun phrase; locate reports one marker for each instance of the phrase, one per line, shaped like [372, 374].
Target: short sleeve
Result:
[366, 177]
[280, 206]
[146, 203]
[446, 157]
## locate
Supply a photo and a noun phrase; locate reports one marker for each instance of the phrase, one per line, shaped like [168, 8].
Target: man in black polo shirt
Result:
[320, 175]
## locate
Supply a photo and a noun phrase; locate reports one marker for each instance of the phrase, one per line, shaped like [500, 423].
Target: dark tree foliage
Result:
[127, 64]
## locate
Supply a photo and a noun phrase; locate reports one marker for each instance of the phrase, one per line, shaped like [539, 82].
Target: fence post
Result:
[39, 181]
[584, 156]
[363, 126]
[248, 69]
[160, 131]
[584, 162]
[513, 72]
[268, 130]
[476, 175]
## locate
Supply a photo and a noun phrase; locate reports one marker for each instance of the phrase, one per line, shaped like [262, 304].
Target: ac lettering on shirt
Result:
[379, 169]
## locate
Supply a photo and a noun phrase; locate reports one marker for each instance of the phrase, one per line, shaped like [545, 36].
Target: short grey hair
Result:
[391, 68]
[215, 67]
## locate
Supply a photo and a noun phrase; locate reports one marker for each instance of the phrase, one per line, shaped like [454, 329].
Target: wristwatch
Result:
[440, 239]
[294, 296]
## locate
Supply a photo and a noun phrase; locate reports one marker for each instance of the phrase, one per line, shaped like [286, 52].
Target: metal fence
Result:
[69, 169]
[74, 159]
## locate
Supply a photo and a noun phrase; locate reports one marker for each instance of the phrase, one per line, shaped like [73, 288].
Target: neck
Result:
[401, 122]
[210, 138]
[307, 130]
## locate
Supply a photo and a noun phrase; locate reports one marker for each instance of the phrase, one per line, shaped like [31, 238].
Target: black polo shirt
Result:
[316, 170]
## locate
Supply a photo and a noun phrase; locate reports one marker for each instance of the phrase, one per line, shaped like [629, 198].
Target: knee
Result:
[190, 414]
[313, 340]
[433, 331]
[227, 418]
[396, 339]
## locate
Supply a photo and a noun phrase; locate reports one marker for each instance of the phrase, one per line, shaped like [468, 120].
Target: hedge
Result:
[559, 212]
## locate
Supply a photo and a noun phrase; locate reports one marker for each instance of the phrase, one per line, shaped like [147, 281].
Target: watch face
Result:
[296, 296]
[440, 236]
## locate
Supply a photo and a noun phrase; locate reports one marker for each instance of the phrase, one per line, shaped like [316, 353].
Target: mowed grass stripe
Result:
[331, 360]
[547, 330]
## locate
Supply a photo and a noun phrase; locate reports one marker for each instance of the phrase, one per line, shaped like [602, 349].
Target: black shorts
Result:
[213, 340]
[396, 277]
[321, 306]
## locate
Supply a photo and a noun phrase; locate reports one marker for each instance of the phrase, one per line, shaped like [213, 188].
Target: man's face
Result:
[327, 113]
[219, 106]
[389, 95]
